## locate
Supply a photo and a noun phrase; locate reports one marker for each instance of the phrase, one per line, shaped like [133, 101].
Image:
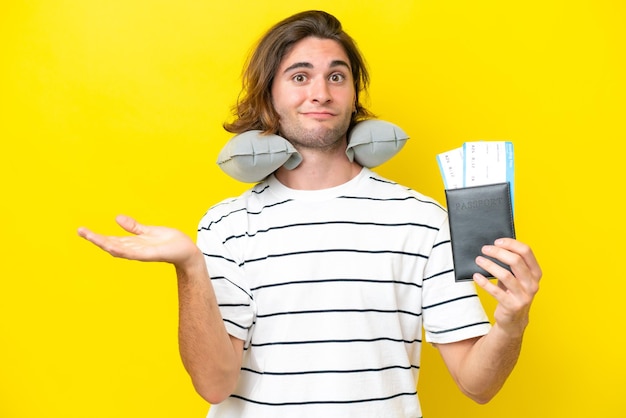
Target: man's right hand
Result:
[147, 243]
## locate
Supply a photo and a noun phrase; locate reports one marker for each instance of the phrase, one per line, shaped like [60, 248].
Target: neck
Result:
[319, 169]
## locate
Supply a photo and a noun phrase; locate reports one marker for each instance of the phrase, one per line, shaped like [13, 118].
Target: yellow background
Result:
[116, 107]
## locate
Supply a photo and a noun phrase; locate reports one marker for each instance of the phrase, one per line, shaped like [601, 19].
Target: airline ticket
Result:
[478, 163]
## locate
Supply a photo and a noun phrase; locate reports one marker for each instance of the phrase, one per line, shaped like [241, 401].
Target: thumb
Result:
[130, 224]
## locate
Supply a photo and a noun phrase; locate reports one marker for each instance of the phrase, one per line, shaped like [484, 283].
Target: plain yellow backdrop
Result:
[116, 106]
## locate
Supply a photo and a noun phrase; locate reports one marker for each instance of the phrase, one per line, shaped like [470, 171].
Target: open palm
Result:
[147, 243]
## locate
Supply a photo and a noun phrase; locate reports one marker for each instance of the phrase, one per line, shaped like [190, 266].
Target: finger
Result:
[506, 280]
[521, 279]
[492, 289]
[524, 251]
[526, 269]
[503, 255]
[90, 235]
[130, 225]
[510, 257]
[98, 240]
[83, 232]
[518, 278]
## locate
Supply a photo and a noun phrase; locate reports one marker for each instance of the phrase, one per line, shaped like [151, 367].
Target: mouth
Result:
[318, 114]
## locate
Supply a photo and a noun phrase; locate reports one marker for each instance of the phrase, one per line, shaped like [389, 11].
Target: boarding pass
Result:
[478, 163]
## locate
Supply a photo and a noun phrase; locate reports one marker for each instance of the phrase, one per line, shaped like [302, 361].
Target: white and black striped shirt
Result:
[330, 290]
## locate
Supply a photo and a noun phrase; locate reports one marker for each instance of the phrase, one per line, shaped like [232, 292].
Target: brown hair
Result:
[254, 109]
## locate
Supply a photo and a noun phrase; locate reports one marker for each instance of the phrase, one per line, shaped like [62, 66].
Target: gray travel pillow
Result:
[250, 157]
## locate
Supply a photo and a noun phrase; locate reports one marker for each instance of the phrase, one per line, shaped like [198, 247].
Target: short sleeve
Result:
[234, 297]
[452, 310]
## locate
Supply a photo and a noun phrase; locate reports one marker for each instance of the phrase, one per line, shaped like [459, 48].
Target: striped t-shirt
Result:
[330, 290]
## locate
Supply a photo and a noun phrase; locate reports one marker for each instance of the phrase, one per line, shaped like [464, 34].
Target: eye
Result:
[299, 78]
[337, 77]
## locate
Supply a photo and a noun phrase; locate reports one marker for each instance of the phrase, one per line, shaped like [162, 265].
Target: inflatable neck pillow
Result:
[250, 156]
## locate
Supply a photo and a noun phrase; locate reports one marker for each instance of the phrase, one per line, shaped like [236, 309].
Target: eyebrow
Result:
[335, 63]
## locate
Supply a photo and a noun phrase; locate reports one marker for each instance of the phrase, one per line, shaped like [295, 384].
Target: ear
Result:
[250, 156]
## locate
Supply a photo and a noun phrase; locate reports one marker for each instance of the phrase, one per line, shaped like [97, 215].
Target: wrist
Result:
[191, 265]
[514, 332]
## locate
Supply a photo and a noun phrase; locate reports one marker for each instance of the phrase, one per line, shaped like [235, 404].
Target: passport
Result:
[477, 215]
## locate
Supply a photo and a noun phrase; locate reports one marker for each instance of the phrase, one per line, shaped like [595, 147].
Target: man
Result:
[306, 296]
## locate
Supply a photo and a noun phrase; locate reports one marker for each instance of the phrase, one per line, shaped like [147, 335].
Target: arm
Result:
[480, 366]
[211, 356]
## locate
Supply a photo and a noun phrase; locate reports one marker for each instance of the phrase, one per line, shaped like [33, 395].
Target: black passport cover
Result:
[478, 215]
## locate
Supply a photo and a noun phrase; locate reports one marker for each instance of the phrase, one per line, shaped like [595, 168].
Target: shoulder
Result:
[381, 187]
[236, 206]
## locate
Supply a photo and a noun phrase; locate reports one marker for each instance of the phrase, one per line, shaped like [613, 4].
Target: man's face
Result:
[313, 93]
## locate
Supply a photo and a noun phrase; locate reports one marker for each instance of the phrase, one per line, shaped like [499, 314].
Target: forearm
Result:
[212, 358]
[206, 349]
[480, 366]
[488, 364]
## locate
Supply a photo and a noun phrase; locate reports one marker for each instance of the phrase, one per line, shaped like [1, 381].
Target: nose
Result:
[320, 91]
